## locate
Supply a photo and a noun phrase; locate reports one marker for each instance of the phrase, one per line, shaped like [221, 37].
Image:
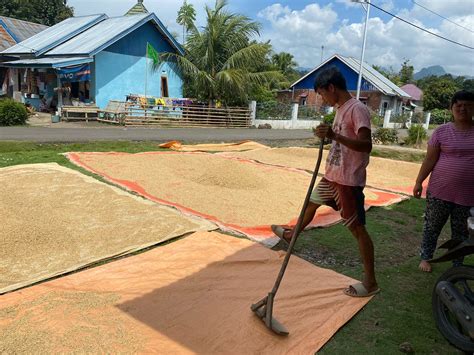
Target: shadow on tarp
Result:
[202, 305]
[190, 296]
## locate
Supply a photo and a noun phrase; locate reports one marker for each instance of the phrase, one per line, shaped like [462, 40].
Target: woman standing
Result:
[450, 192]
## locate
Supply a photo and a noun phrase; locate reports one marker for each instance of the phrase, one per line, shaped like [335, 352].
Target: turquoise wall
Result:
[120, 69]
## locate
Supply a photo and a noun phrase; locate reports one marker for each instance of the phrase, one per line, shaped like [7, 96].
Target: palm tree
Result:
[284, 62]
[221, 61]
[186, 17]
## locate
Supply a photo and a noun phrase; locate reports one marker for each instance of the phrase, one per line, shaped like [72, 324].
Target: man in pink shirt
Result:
[343, 183]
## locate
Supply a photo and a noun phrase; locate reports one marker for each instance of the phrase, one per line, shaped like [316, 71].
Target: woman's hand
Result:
[417, 190]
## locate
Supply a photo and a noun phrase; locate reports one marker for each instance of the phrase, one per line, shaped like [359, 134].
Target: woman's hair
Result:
[462, 95]
[329, 76]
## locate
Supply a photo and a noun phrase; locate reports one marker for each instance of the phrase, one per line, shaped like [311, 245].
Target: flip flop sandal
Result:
[280, 232]
[360, 291]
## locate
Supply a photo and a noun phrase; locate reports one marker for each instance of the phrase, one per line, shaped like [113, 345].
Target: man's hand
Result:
[417, 190]
[324, 131]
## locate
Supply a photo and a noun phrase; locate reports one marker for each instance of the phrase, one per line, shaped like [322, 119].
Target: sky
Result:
[303, 27]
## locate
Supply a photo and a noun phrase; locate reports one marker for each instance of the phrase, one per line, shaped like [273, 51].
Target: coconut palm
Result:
[284, 62]
[186, 17]
[221, 60]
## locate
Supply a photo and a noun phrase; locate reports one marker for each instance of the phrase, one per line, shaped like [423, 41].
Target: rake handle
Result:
[297, 229]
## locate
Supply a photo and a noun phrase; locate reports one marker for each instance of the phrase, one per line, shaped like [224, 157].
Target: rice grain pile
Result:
[392, 175]
[232, 191]
[56, 220]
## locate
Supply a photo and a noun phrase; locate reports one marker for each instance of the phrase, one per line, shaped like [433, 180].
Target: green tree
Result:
[220, 60]
[406, 73]
[390, 74]
[186, 17]
[468, 85]
[46, 12]
[284, 62]
[437, 91]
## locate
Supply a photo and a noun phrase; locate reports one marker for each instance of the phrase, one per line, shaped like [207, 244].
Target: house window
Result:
[302, 101]
[164, 86]
[384, 107]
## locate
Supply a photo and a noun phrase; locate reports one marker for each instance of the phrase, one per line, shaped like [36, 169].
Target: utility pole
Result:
[367, 9]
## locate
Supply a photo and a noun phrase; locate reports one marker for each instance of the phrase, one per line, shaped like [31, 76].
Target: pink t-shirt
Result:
[344, 165]
[452, 178]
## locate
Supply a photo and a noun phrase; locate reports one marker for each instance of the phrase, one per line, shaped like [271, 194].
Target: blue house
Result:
[96, 58]
[377, 92]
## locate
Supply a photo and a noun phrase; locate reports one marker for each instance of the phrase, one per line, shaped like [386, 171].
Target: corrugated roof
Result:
[107, 32]
[20, 29]
[6, 40]
[55, 35]
[375, 78]
[368, 73]
[49, 62]
[138, 8]
[414, 91]
[13, 31]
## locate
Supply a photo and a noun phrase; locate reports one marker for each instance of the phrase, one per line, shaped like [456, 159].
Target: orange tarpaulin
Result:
[213, 147]
[237, 194]
[192, 296]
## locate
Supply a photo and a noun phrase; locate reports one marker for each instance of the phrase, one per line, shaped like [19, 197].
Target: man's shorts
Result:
[348, 200]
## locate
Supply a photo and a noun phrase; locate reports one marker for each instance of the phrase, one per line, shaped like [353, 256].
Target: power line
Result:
[447, 19]
[421, 28]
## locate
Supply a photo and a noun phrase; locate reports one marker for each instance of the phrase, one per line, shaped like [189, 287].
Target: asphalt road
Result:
[195, 135]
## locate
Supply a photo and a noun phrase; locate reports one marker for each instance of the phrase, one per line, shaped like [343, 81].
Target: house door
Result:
[164, 86]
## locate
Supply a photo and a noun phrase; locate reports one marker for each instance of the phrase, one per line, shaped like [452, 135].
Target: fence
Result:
[136, 114]
[285, 116]
[401, 121]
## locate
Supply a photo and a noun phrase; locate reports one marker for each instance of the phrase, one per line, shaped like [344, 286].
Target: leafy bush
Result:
[329, 118]
[12, 113]
[440, 116]
[400, 119]
[385, 136]
[273, 111]
[376, 119]
[416, 135]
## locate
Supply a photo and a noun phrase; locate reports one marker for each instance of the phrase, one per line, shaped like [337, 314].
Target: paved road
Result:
[100, 133]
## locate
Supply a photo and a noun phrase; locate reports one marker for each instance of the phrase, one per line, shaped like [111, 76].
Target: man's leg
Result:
[366, 250]
[307, 218]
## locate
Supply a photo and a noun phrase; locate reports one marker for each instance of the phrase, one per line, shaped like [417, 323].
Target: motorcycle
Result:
[453, 295]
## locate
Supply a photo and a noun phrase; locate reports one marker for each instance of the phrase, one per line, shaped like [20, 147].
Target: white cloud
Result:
[388, 43]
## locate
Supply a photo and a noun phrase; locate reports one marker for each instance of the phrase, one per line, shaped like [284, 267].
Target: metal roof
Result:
[48, 62]
[368, 73]
[6, 39]
[55, 35]
[13, 31]
[138, 8]
[21, 30]
[377, 79]
[107, 32]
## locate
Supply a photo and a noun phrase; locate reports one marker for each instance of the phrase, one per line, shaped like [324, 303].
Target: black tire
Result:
[463, 279]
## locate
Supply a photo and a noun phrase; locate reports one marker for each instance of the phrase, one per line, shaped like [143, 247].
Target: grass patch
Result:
[400, 313]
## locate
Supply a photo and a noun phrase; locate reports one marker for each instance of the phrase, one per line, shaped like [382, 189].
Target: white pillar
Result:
[386, 118]
[294, 115]
[410, 118]
[253, 112]
[427, 121]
